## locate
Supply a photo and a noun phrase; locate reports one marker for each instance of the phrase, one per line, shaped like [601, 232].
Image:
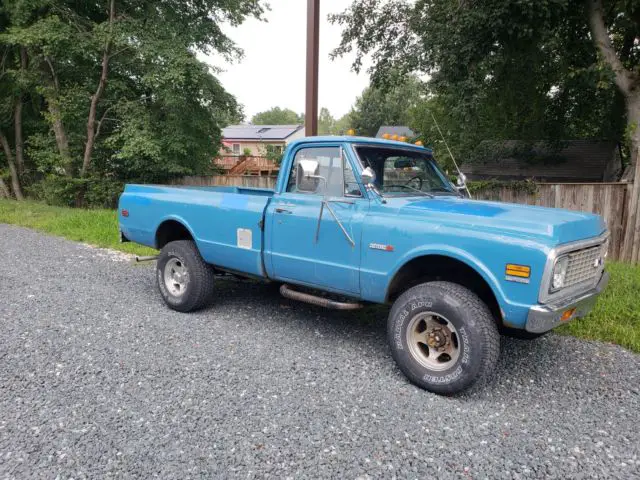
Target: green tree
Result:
[119, 93]
[385, 105]
[328, 125]
[342, 124]
[525, 70]
[277, 116]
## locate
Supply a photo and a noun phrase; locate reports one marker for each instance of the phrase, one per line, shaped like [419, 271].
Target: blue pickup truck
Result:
[354, 221]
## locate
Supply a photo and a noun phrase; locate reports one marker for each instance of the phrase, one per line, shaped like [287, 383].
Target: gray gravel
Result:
[98, 379]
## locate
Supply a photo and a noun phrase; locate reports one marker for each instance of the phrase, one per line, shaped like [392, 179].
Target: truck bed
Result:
[224, 221]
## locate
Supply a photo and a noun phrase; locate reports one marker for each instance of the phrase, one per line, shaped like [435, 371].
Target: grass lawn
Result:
[616, 318]
[95, 227]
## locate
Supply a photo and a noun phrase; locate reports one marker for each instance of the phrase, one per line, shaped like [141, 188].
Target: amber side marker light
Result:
[521, 271]
[567, 315]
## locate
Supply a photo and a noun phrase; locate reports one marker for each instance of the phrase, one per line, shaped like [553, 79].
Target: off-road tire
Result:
[478, 337]
[200, 277]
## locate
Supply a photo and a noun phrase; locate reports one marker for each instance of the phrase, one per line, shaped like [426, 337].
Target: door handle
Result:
[283, 210]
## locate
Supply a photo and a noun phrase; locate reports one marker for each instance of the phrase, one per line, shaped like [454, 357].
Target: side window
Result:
[329, 167]
[351, 187]
[236, 148]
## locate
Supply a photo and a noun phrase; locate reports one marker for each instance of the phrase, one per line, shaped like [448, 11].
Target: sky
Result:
[272, 72]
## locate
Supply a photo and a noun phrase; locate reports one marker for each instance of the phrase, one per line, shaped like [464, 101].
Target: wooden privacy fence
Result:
[250, 181]
[614, 201]
[607, 199]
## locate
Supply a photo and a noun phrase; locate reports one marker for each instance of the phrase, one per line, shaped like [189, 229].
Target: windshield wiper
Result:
[430, 195]
[447, 192]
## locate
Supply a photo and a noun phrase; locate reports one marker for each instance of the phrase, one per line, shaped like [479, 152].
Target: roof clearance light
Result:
[394, 137]
[351, 132]
[403, 139]
[386, 136]
[419, 143]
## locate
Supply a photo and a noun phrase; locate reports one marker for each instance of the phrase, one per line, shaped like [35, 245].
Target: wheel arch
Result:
[172, 229]
[448, 265]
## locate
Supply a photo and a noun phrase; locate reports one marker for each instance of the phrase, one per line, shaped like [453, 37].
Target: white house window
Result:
[236, 148]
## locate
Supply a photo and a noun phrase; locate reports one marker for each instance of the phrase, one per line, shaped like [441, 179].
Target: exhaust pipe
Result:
[287, 292]
[146, 259]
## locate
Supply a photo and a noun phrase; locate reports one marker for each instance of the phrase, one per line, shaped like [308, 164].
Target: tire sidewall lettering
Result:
[462, 368]
[405, 314]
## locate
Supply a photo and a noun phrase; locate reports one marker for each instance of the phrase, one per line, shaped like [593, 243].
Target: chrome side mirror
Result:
[368, 176]
[307, 176]
[461, 183]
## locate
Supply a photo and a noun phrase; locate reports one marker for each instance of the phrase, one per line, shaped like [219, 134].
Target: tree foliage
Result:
[527, 69]
[328, 125]
[393, 104]
[102, 93]
[277, 116]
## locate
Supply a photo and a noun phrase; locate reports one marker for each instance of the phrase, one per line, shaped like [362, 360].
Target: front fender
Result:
[457, 254]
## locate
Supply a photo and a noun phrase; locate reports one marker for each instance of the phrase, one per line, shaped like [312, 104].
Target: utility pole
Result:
[313, 54]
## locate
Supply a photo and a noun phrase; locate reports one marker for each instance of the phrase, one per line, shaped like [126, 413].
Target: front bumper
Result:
[542, 318]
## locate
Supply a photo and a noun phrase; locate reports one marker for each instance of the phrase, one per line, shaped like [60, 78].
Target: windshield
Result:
[405, 172]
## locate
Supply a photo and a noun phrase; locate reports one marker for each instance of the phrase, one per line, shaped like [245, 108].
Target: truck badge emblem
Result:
[379, 246]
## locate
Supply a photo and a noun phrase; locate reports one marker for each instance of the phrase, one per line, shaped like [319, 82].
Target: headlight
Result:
[559, 273]
[605, 249]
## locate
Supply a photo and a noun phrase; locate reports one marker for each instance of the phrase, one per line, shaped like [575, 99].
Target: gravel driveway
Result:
[99, 379]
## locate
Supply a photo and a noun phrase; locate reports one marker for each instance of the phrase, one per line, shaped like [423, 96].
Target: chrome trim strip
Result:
[544, 296]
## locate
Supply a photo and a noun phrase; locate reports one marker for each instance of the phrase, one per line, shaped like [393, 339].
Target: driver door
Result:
[312, 251]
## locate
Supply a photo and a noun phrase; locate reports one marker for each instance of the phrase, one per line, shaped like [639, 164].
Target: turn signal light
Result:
[567, 315]
[521, 271]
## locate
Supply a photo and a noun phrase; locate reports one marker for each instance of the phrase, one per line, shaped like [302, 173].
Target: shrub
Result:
[77, 192]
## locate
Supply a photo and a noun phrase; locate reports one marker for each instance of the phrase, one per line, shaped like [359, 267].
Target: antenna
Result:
[460, 174]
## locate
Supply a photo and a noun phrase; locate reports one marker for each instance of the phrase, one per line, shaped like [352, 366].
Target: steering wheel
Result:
[419, 184]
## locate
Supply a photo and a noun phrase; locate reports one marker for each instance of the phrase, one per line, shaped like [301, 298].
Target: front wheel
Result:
[184, 279]
[443, 337]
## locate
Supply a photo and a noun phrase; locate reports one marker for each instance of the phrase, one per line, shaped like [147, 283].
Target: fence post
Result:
[631, 244]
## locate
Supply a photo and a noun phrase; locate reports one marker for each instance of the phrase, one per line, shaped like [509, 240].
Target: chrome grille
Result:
[583, 267]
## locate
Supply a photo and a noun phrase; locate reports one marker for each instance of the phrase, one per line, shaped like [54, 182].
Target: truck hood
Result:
[552, 226]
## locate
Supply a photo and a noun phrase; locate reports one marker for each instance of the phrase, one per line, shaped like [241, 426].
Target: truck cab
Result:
[377, 221]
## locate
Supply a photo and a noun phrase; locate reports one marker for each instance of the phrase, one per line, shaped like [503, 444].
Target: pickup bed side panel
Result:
[226, 225]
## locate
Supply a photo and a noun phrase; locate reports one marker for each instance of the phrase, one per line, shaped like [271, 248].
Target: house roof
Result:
[572, 161]
[401, 131]
[259, 132]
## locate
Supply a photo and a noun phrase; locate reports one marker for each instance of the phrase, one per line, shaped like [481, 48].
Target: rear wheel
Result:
[443, 337]
[184, 279]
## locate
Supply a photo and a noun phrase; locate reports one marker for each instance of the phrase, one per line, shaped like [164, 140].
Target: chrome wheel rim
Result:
[433, 341]
[176, 277]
